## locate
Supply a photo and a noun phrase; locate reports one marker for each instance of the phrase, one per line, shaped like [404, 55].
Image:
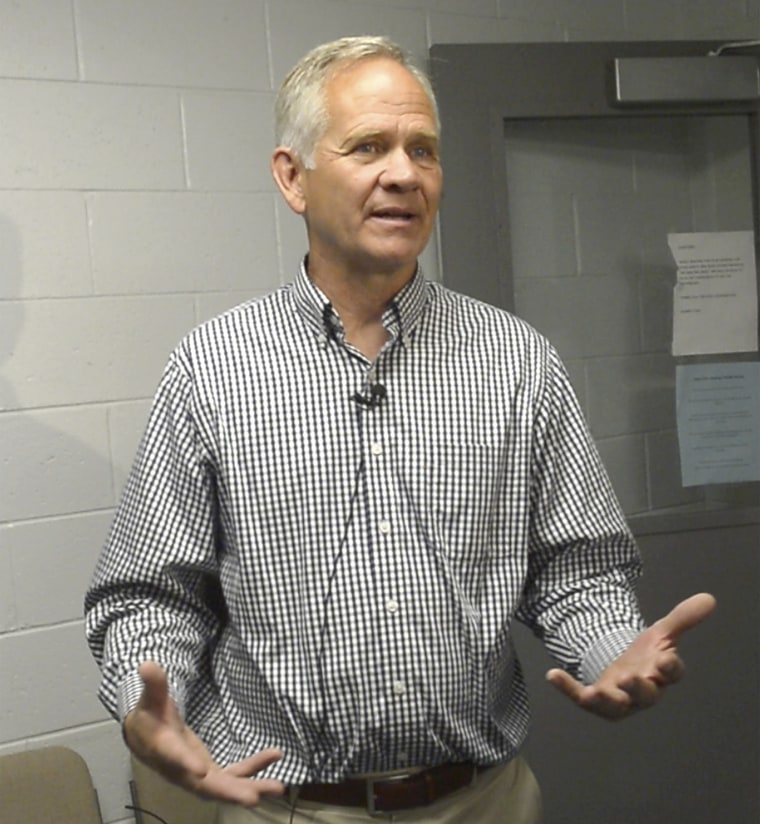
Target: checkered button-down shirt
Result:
[327, 554]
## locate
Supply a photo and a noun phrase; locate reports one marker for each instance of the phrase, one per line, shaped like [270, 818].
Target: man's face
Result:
[371, 200]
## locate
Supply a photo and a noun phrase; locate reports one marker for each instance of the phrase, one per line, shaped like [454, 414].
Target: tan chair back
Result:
[49, 785]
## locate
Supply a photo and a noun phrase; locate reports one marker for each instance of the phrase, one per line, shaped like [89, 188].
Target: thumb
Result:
[155, 694]
[687, 614]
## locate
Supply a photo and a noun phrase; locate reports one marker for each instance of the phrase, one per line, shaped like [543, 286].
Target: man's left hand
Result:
[639, 677]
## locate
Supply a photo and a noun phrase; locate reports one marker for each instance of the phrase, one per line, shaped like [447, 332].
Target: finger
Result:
[610, 702]
[254, 764]
[565, 683]
[223, 786]
[156, 685]
[688, 614]
[642, 692]
[589, 697]
[670, 669]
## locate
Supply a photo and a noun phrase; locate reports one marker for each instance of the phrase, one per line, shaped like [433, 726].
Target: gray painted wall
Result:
[693, 758]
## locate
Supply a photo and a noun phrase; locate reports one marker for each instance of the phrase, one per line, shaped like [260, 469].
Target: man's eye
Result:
[367, 148]
[423, 153]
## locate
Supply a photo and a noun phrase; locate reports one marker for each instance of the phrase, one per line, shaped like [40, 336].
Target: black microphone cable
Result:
[377, 393]
[314, 768]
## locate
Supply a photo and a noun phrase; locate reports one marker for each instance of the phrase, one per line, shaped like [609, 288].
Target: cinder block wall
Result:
[135, 201]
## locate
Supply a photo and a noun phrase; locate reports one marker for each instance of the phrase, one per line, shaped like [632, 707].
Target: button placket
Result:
[378, 453]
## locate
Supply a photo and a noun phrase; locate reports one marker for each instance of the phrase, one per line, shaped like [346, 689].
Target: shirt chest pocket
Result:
[454, 496]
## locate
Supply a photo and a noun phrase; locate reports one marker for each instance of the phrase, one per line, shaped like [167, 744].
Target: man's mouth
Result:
[394, 215]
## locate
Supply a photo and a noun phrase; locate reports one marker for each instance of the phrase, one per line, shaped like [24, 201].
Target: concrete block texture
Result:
[50, 685]
[229, 138]
[54, 462]
[593, 17]
[89, 136]
[37, 39]
[51, 562]
[326, 20]
[471, 28]
[188, 43]
[44, 245]
[85, 351]
[179, 243]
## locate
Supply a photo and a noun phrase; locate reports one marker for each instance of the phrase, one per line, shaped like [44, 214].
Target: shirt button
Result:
[376, 449]
[385, 527]
[398, 688]
[392, 606]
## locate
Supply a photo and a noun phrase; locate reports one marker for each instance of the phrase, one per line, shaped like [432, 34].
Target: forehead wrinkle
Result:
[376, 123]
[352, 87]
[378, 112]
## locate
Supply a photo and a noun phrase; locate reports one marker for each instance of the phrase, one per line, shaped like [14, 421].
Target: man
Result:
[347, 492]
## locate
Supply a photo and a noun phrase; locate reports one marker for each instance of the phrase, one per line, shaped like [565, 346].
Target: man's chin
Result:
[393, 257]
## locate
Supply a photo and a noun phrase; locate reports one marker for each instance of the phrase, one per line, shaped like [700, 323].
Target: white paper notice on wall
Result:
[718, 407]
[715, 297]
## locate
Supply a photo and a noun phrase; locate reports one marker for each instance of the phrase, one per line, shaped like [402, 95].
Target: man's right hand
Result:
[158, 736]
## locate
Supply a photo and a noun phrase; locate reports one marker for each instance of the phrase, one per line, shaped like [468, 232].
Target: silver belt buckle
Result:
[371, 809]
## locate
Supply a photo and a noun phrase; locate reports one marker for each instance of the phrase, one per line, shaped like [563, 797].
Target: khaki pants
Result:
[506, 794]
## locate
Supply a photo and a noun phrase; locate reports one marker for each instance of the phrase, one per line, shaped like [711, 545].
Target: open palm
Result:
[640, 676]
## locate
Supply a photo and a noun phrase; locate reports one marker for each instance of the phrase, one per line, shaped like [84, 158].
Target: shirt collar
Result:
[399, 318]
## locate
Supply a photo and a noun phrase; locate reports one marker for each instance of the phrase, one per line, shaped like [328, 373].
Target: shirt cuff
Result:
[604, 652]
[131, 688]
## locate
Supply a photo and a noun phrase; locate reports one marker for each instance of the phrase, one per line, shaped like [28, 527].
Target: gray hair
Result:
[300, 111]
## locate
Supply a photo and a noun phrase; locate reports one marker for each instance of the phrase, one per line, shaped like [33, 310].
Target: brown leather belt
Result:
[393, 794]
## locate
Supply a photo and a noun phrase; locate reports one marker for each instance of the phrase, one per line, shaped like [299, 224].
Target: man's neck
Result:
[361, 301]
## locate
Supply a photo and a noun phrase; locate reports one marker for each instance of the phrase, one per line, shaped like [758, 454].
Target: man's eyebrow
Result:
[428, 135]
[375, 134]
[362, 136]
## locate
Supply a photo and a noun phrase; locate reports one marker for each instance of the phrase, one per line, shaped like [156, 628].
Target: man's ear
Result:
[288, 172]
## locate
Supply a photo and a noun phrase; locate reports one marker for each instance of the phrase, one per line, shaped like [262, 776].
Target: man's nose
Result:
[400, 171]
